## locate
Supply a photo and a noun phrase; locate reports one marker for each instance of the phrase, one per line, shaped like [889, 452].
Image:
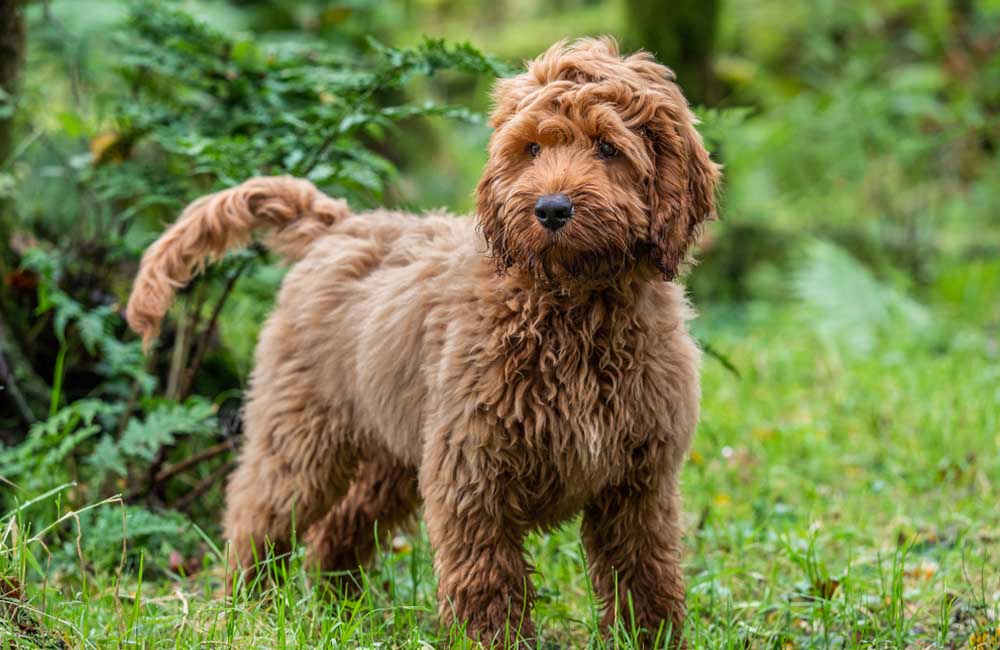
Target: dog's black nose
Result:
[554, 210]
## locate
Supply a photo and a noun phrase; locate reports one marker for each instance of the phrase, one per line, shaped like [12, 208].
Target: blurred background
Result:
[849, 297]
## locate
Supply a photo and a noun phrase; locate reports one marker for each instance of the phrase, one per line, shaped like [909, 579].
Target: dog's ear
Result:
[487, 217]
[508, 94]
[682, 190]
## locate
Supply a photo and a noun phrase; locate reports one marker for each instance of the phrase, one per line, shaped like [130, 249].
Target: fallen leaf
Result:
[924, 570]
[826, 588]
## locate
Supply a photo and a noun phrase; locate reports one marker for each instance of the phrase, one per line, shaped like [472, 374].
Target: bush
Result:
[192, 110]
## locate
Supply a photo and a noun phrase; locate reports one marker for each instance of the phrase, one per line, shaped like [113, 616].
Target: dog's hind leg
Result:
[383, 497]
[299, 457]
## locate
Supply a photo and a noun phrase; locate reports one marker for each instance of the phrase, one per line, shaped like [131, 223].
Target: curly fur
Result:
[506, 376]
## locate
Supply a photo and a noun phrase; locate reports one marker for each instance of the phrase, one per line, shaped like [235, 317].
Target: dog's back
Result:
[370, 302]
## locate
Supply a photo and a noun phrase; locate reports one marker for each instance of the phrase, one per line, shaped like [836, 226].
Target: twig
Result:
[126, 416]
[184, 609]
[23, 409]
[153, 490]
[720, 357]
[206, 334]
[178, 358]
[156, 478]
[20, 149]
[203, 486]
[199, 304]
[191, 461]
[32, 386]
[8, 379]
[133, 399]
[317, 154]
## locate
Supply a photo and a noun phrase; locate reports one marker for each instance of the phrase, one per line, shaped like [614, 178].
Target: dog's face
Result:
[594, 167]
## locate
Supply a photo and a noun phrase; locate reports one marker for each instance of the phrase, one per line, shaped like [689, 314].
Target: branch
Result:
[191, 461]
[206, 334]
[720, 357]
[203, 486]
[10, 381]
[7, 377]
[199, 304]
[178, 358]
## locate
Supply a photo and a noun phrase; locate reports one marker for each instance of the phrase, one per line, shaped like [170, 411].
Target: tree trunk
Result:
[11, 59]
[681, 33]
[19, 386]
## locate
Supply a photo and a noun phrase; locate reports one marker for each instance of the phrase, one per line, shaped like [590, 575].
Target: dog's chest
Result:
[567, 393]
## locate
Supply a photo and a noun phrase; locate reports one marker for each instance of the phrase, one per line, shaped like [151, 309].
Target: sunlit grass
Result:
[833, 501]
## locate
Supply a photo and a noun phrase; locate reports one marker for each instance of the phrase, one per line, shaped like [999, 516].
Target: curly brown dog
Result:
[507, 372]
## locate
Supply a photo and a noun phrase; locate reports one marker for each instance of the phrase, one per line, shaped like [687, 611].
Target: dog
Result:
[507, 372]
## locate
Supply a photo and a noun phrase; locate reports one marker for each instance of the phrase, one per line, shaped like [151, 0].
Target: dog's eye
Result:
[534, 149]
[606, 150]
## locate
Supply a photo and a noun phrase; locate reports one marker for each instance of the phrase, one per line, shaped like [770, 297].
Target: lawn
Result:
[834, 499]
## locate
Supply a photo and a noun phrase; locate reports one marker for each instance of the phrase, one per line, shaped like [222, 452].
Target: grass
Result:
[834, 500]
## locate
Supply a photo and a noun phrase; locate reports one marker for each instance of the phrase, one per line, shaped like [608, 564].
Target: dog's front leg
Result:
[633, 541]
[483, 577]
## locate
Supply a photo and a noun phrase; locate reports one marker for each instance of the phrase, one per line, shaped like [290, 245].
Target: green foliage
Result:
[117, 534]
[40, 461]
[95, 327]
[841, 488]
[223, 109]
[848, 305]
[868, 124]
[192, 108]
[141, 440]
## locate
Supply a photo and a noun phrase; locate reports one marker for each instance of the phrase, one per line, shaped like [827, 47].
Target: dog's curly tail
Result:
[292, 209]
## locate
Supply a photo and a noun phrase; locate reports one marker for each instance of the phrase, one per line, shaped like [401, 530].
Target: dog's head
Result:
[594, 166]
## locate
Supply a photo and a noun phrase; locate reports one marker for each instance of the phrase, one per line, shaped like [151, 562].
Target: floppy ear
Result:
[682, 191]
[487, 218]
[508, 94]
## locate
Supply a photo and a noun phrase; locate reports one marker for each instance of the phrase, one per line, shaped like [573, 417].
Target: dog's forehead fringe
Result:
[595, 59]
[570, 77]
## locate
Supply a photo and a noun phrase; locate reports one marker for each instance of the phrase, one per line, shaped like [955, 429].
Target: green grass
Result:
[833, 501]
